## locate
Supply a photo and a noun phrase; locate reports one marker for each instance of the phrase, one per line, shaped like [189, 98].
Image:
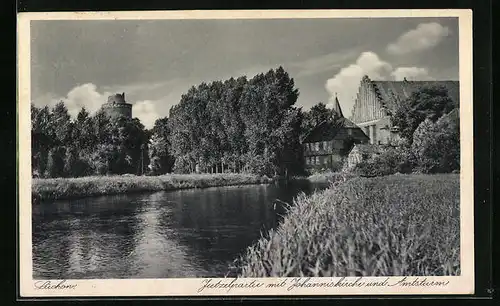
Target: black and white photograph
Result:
[311, 152]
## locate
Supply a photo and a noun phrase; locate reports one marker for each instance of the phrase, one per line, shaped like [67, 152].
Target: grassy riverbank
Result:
[329, 177]
[384, 226]
[64, 188]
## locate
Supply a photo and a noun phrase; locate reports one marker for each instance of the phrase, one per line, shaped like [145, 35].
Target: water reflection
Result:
[186, 233]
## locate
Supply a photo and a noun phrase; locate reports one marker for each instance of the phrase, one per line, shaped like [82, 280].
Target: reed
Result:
[385, 226]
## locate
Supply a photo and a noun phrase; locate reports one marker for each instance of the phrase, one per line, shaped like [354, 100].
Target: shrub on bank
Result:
[390, 161]
[61, 188]
[388, 226]
[330, 177]
[436, 146]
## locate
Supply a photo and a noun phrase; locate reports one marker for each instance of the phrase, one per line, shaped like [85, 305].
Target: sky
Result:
[155, 61]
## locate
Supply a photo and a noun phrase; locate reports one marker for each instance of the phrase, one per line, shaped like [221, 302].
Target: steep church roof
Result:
[392, 92]
[337, 108]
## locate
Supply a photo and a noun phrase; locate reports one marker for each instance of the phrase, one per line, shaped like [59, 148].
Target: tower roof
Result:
[336, 107]
[117, 98]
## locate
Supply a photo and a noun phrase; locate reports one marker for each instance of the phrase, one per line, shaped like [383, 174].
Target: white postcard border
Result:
[463, 284]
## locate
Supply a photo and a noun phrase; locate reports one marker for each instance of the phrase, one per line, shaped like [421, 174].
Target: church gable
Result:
[378, 99]
[368, 105]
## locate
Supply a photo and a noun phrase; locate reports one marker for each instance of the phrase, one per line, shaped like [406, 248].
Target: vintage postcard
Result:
[224, 153]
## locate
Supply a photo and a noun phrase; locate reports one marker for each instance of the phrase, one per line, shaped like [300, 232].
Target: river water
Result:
[184, 233]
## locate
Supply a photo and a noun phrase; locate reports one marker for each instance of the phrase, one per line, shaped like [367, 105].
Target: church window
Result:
[317, 146]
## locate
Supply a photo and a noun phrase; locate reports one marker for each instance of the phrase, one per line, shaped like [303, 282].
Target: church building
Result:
[376, 101]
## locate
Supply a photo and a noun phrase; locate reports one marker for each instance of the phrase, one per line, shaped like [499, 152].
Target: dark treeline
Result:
[87, 145]
[236, 125]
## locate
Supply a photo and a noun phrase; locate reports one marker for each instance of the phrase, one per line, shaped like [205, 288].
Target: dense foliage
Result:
[430, 102]
[62, 147]
[436, 146]
[391, 160]
[317, 114]
[238, 125]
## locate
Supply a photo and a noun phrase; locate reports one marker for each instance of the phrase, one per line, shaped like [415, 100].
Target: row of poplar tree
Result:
[236, 125]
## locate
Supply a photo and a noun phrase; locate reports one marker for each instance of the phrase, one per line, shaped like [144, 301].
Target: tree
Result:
[233, 125]
[128, 139]
[317, 114]
[55, 163]
[430, 102]
[160, 159]
[188, 124]
[62, 125]
[269, 116]
[83, 131]
[102, 128]
[436, 145]
[71, 163]
[41, 139]
[104, 158]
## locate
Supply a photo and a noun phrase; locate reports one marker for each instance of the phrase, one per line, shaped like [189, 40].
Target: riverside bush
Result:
[392, 160]
[386, 226]
[436, 146]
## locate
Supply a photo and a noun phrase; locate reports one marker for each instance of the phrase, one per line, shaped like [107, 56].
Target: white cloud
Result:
[85, 95]
[424, 36]
[88, 96]
[146, 112]
[411, 74]
[345, 83]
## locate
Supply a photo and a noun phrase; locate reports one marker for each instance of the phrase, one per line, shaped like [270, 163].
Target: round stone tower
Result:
[116, 106]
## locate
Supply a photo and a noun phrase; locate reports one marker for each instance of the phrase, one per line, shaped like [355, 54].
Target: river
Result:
[184, 233]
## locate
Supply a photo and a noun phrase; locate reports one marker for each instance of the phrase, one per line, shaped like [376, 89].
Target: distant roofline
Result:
[115, 104]
[366, 77]
[302, 141]
[415, 81]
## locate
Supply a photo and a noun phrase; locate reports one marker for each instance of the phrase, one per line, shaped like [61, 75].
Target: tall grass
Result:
[385, 226]
[63, 188]
[330, 177]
